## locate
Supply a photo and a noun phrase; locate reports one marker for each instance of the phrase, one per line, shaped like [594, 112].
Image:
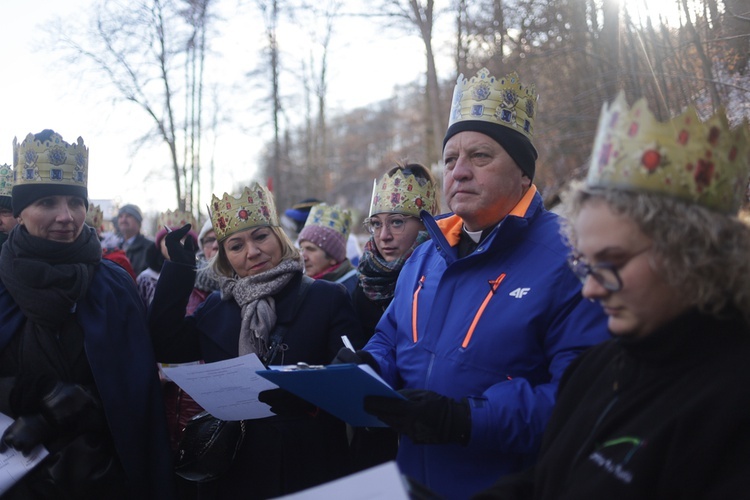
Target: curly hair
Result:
[220, 263]
[704, 254]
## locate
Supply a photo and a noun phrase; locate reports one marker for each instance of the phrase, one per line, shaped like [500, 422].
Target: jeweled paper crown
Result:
[331, 217]
[6, 180]
[177, 219]
[699, 162]
[254, 207]
[503, 101]
[50, 162]
[403, 194]
[95, 217]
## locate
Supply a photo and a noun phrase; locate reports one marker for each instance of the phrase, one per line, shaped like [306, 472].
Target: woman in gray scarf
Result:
[260, 275]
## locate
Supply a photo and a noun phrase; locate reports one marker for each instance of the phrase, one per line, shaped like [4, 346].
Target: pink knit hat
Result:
[328, 227]
[331, 241]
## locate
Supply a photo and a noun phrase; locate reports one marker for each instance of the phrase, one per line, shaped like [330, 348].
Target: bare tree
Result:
[139, 48]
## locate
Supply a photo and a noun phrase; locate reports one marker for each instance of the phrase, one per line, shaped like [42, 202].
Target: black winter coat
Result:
[663, 417]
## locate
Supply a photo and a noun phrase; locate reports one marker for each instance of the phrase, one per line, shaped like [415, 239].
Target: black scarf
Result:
[46, 278]
[377, 276]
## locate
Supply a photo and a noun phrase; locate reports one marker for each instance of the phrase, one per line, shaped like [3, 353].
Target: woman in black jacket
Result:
[662, 410]
[260, 273]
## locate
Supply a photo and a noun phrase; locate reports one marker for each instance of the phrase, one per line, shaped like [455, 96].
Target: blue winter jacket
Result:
[119, 351]
[497, 327]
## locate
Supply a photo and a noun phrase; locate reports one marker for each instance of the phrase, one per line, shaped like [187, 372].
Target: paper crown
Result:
[6, 180]
[502, 101]
[254, 207]
[330, 217]
[700, 162]
[403, 194]
[50, 162]
[177, 219]
[95, 217]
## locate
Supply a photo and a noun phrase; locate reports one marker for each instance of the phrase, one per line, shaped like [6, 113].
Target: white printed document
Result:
[226, 389]
[382, 482]
[13, 465]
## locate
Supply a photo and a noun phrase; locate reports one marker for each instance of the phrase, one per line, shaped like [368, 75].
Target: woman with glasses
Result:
[396, 230]
[662, 410]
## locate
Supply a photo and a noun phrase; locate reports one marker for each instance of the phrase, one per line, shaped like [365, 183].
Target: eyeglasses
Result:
[395, 225]
[606, 274]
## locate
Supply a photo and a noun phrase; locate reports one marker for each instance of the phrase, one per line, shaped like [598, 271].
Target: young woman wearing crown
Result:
[662, 410]
[261, 275]
[77, 370]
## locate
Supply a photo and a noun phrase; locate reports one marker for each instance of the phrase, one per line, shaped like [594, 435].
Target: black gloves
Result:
[426, 417]
[284, 403]
[346, 355]
[26, 432]
[179, 253]
[66, 409]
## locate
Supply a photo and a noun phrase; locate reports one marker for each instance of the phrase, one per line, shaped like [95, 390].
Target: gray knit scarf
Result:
[254, 294]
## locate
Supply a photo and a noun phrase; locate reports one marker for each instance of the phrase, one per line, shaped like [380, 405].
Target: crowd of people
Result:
[537, 356]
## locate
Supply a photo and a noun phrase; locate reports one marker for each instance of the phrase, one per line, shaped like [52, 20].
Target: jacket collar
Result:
[446, 229]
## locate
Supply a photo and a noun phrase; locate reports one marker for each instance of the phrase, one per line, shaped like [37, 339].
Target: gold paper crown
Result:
[254, 207]
[95, 217]
[50, 162]
[331, 217]
[403, 194]
[699, 162]
[6, 180]
[502, 101]
[177, 219]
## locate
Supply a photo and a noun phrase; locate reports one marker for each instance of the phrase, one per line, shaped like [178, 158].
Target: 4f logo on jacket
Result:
[519, 292]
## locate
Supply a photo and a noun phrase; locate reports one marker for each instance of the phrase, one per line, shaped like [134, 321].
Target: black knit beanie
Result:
[517, 145]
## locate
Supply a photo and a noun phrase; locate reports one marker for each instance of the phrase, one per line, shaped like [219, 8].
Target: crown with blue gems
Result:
[254, 207]
[403, 194]
[6, 180]
[52, 161]
[95, 217]
[707, 163]
[503, 101]
[330, 217]
[176, 219]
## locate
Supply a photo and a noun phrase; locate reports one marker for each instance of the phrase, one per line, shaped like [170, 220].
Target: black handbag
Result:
[208, 444]
[208, 447]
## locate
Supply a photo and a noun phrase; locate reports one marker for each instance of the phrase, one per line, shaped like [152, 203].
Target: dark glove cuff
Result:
[461, 422]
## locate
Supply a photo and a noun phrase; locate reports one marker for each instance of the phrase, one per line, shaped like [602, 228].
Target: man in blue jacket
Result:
[487, 314]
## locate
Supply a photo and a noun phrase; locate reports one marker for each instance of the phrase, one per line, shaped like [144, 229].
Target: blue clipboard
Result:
[338, 389]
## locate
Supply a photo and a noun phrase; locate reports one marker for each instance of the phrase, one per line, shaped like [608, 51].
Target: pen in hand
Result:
[347, 342]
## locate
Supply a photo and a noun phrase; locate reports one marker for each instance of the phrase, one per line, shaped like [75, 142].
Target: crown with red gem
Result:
[700, 162]
[6, 180]
[503, 101]
[401, 194]
[95, 217]
[254, 207]
[53, 161]
[177, 219]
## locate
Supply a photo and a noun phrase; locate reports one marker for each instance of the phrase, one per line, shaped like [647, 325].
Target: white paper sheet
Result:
[13, 465]
[382, 482]
[226, 389]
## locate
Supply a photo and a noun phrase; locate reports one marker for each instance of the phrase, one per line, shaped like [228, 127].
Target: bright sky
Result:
[365, 64]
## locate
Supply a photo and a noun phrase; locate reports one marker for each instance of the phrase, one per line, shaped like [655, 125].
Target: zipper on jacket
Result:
[493, 287]
[414, 310]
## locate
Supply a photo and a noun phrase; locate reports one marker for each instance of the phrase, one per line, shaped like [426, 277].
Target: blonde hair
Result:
[220, 263]
[704, 254]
